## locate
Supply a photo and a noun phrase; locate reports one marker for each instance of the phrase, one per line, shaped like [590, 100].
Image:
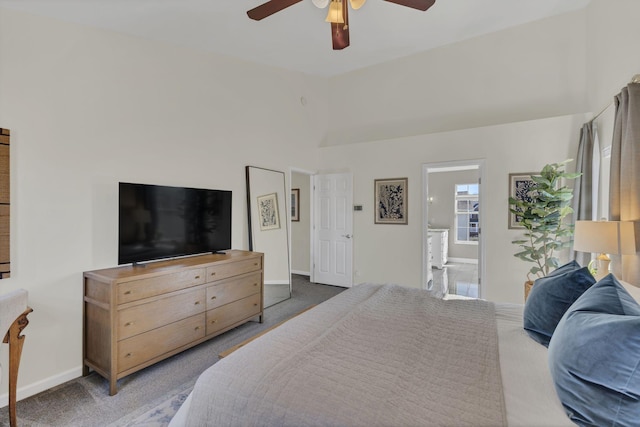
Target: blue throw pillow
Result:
[570, 266]
[551, 296]
[594, 357]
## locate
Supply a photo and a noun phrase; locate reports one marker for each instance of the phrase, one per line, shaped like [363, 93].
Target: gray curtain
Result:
[624, 190]
[583, 185]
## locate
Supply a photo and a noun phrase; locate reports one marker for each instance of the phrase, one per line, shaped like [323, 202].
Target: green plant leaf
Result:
[573, 175]
[543, 217]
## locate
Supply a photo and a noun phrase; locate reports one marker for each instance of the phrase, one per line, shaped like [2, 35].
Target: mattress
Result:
[527, 388]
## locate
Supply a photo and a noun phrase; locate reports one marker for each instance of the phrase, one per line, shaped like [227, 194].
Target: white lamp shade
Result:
[320, 4]
[608, 237]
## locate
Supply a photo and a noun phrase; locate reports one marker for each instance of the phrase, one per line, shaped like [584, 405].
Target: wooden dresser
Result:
[135, 316]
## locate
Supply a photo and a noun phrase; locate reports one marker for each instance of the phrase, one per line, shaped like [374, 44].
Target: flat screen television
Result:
[158, 222]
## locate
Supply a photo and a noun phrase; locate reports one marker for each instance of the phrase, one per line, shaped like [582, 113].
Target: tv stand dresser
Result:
[135, 316]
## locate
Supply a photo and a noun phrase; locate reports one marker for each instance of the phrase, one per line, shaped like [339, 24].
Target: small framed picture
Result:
[520, 188]
[268, 208]
[390, 201]
[295, 204]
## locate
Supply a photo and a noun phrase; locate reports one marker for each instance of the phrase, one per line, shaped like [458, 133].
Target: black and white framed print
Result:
[391, 201]
[520, 188]
[268, 209]
[295, 204]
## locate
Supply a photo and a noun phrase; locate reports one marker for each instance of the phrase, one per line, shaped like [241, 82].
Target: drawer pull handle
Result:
[213, 274]
[127, 292]
[197, 277]
[255, 305]
[213, 321]
[197, 328]
[128, 355]
[197, 302]
[255, 284]
[255, 263]
[213, 297]
[128, 324]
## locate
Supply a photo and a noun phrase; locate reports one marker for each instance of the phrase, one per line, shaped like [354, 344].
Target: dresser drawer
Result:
[233, 289]
[145, 317]
[141, 348]
[144, 288]
[222, 271]
[222, 317]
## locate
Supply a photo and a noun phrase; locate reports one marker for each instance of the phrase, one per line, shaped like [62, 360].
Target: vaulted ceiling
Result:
[298, 38]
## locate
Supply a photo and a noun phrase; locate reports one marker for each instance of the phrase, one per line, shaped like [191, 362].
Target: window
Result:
[466, 210]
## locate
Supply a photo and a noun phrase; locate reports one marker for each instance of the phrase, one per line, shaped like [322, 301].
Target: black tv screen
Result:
[163, 222]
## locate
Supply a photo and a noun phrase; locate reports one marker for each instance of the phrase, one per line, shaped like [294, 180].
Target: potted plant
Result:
[543, 215]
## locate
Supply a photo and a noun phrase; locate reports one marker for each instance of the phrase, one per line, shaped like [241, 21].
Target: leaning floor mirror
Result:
[269, 230]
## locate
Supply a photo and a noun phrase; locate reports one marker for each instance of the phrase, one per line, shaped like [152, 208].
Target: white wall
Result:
[484, 98]
[301, 230]
[384, 253]
[431, 107]
[88, 108]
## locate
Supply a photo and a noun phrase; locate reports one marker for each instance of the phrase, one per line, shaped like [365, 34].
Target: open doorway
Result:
[452, 224]
[301, 221]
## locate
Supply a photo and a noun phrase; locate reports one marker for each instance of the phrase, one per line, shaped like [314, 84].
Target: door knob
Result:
[348, 236]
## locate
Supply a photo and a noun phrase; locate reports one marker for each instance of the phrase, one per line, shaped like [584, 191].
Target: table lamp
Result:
[604, 237]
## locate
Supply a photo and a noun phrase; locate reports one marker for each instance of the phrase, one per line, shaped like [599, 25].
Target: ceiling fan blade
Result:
[340, 32]
[269, 8]
[415, 4]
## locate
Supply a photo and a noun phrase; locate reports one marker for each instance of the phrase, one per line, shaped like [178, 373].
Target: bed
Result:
[384, 355]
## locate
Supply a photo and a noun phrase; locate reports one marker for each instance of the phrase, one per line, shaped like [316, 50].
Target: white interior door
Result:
[333, 229]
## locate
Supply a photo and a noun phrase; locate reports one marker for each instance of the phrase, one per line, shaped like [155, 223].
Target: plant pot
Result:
[527, 288]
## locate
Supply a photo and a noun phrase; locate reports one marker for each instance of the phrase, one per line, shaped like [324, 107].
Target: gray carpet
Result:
[151, 396]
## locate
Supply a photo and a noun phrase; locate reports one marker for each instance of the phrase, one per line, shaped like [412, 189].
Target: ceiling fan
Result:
[338, 14]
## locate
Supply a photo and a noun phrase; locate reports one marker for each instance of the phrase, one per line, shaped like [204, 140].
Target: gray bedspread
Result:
[374, 355]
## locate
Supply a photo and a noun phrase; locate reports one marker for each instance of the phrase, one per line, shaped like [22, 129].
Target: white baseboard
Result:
[276, 282]
[463, 260]
[40, 386]
[302, 273]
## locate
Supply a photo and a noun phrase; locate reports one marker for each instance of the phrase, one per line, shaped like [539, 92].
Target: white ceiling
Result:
[298, 38]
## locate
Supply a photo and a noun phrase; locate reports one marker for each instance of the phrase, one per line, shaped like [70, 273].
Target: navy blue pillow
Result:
[551, 296]
[594, 357]
[570, 266]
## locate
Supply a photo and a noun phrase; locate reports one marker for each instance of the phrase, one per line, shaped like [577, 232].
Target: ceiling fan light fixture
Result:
[335, 14]
[338, 14]
[320, 4]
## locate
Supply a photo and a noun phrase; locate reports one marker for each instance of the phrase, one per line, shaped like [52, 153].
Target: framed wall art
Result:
[390, 201]
[295, 204]
[520, 186]
[268, 209]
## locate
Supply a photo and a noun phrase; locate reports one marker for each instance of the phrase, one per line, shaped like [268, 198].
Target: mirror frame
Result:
[284, 223]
